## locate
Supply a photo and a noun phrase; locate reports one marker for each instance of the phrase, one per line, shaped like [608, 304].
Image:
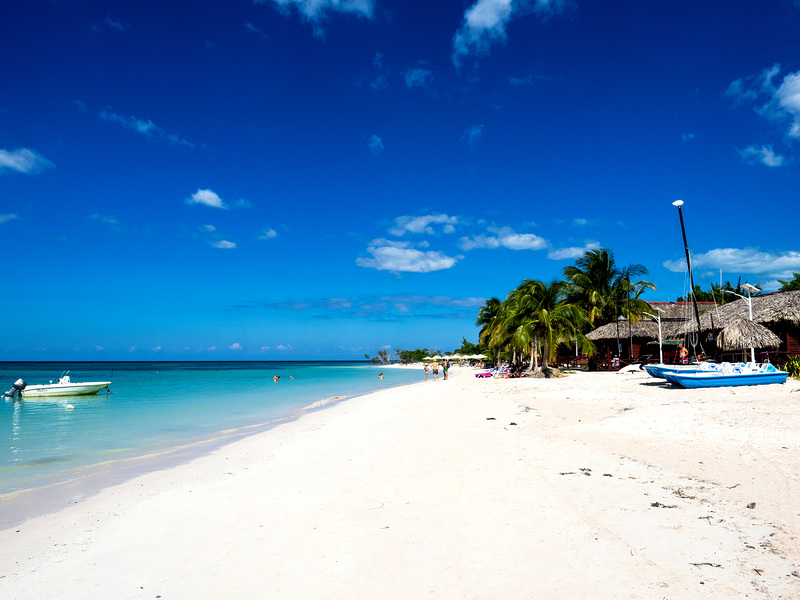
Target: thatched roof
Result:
[741, 334]
[769, 309]
[673, 317]
[645, 328]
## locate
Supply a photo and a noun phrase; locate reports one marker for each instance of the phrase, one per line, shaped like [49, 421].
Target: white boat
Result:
[62, 387]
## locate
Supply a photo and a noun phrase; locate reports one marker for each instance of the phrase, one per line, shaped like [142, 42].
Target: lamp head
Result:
[678, 203]
[750, 288]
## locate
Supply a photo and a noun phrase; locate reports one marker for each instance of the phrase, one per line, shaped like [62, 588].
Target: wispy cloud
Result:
[236, 346]
[207, 198]
[23, 160]
[423, 224]
[268, 234]
[144, 127]
[114, 24]
[401, 257]
[767, 265]
[472, 135]
[504, 237]
[376, 146]
[485, 24]
[109, 221]
[779, 104]
[317, 11]
[572, 252]
[223, 245]
[764, 155]
[387, 307]
[419, 77]
[6, 218]
[257, 30]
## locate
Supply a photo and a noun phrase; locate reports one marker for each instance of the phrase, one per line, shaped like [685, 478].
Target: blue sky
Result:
[320, 179]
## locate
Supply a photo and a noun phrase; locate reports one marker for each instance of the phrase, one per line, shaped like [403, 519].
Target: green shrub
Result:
[792, 366]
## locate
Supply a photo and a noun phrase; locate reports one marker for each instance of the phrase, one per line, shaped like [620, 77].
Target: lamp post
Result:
[679, 203]
[658, 318]
[749, 298]
[619, 344]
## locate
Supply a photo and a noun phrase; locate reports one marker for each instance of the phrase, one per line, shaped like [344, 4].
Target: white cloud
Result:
[504, 237]
[5, 218]
[208, 228]
[268, 234]
[114, 24]
[572, 252]
[779, 104]
[376, 145]
[145, 127]
[422, 224]
[398, 257]
[23, 160]
[773, 265]
[109, 220]
[253, 29]
[317, 10]
[419, 76]
[788, 97]
[223, 244]
[485, 23]
[206, 197]
[472, 135]
[765, 155]
[579, 222]
[235, 346]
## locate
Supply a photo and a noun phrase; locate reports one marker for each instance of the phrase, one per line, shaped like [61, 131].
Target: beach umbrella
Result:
[437, 357]
[742, 334]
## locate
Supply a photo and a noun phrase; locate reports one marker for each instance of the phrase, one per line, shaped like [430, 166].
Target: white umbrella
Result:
[437, 357]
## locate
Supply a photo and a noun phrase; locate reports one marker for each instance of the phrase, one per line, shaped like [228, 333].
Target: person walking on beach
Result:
[426, 371]
[435, 367]
[445, 368]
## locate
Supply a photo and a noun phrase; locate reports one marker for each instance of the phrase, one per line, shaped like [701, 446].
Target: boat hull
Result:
[697, 380]
[661, 371]
[64, 389]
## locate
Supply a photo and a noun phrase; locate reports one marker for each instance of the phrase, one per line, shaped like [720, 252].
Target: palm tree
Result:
[605, 291]
[551, 318]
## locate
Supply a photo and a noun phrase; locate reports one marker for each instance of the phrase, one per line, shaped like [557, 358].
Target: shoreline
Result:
[594, 485]
[89, 480]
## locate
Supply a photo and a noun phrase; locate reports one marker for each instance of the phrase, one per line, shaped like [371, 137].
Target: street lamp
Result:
[619, 345]
[750, 289]
[658, 318]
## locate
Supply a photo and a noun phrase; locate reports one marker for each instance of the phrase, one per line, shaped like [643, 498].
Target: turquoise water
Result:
[156, 407]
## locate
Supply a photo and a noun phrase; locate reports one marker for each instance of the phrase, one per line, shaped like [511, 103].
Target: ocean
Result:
[157, 414]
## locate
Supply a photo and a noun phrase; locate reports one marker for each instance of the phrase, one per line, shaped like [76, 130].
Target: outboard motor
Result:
[19, 385]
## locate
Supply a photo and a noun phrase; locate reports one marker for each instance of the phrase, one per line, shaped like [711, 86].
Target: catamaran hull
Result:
[708, 381]
[658, 370]
[64, 389]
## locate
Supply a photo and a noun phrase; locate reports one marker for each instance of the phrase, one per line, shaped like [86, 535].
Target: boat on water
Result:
[729, 375]
[63, 386]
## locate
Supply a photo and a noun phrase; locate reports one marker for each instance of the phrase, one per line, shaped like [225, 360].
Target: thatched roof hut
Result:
[769, 309]
[743, 333]
[674, 315]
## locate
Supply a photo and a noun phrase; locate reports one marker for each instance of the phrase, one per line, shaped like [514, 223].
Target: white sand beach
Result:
[594, 485]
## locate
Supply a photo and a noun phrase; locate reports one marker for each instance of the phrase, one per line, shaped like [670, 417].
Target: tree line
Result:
[536, 316]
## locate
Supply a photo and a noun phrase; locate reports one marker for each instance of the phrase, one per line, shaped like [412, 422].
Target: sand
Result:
[594, 485]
